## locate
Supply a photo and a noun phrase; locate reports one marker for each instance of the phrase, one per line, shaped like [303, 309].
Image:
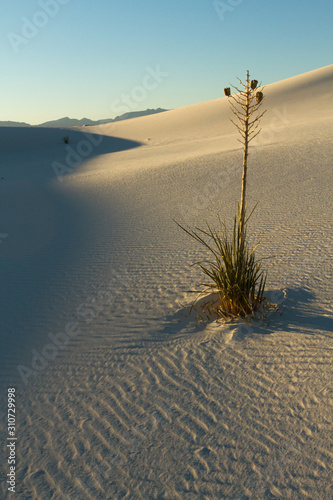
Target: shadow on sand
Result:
[297, 311]
[300, 312]
[47, 232]
[15, 139]
[39, 154]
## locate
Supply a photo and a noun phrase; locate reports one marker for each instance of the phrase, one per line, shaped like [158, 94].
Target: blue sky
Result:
[97, 59]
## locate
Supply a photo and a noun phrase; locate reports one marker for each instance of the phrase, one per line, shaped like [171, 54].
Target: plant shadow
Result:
[298, 310]
[290, 310]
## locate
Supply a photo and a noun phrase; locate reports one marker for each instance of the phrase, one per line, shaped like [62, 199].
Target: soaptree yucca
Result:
[233, 270]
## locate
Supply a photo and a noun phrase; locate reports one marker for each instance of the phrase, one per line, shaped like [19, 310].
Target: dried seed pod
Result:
[254, 84]
[259, 96]
[227, 91]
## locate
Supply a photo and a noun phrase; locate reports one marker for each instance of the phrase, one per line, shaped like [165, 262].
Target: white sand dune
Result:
[122, 394]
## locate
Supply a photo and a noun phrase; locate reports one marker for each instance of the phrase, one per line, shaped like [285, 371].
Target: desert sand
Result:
[120, 393]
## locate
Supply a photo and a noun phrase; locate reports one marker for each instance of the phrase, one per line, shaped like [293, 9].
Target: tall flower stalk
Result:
[245, 106]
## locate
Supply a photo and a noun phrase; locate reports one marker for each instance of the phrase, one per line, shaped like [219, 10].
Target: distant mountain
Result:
[14, 124]
[86, 122]
[136, 114]
[67, 122]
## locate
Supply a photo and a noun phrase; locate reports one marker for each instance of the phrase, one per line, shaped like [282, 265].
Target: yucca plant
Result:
[234, 271]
